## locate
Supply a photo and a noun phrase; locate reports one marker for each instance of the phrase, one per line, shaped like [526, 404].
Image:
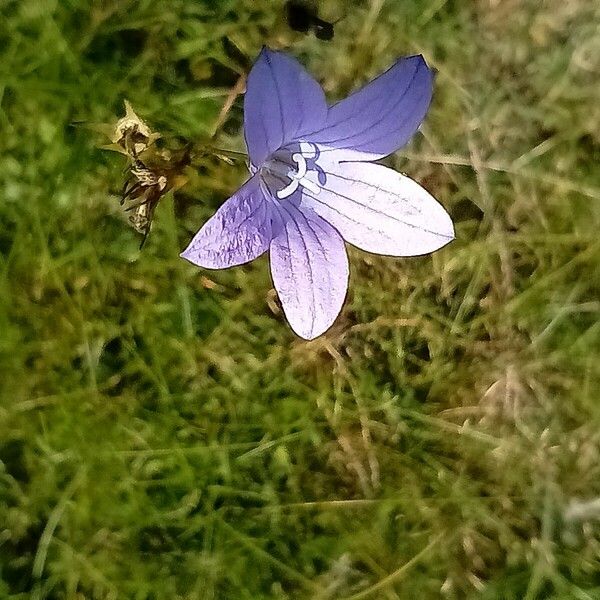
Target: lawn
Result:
[165, 435]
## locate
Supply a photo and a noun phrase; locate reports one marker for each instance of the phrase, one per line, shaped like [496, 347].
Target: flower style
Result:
[312, 185]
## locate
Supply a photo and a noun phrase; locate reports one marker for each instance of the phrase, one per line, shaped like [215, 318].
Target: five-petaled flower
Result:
[312, 185]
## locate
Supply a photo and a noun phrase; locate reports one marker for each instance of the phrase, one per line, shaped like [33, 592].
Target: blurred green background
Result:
[164, 435]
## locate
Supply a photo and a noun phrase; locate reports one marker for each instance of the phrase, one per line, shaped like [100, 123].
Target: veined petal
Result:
[282, 102]
[309, 266]
[382, 116]
[380, 210]
[240, 231]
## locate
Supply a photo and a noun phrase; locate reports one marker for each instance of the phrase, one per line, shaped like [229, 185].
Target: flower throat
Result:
[286, 169]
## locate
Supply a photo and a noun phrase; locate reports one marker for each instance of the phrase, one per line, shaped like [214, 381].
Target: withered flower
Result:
[151, 173]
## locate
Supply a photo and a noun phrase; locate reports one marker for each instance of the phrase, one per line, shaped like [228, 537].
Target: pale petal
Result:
[240, 231]
[382, 116]
[309, 266]
[380, 210]
[282, 102]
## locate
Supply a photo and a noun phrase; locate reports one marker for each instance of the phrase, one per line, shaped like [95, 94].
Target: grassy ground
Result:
[164, 435]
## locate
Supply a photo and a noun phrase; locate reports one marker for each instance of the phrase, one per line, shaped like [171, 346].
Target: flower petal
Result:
[282, 102]
[309, 266]
[380, 210]
[382, 116]
[240, 231]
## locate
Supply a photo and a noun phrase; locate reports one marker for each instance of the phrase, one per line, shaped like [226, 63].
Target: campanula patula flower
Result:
[314, 186]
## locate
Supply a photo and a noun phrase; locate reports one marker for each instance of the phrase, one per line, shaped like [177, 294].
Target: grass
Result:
[164, 435]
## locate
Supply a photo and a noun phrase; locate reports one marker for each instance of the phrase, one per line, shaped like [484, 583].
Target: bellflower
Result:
[313, 185]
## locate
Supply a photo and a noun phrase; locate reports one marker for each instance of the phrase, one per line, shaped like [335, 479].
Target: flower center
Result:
[286, 169]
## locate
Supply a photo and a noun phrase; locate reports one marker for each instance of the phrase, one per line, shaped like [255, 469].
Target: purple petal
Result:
[380, 210]
[240, 231]
[309, 266]
[382, 116]
[282, 102]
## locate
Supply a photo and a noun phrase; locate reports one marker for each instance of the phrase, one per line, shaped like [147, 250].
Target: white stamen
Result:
[299, 160]
[289, 189]
[311, 186]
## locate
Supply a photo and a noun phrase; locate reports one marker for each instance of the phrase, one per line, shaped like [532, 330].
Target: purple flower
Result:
[312, 185]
